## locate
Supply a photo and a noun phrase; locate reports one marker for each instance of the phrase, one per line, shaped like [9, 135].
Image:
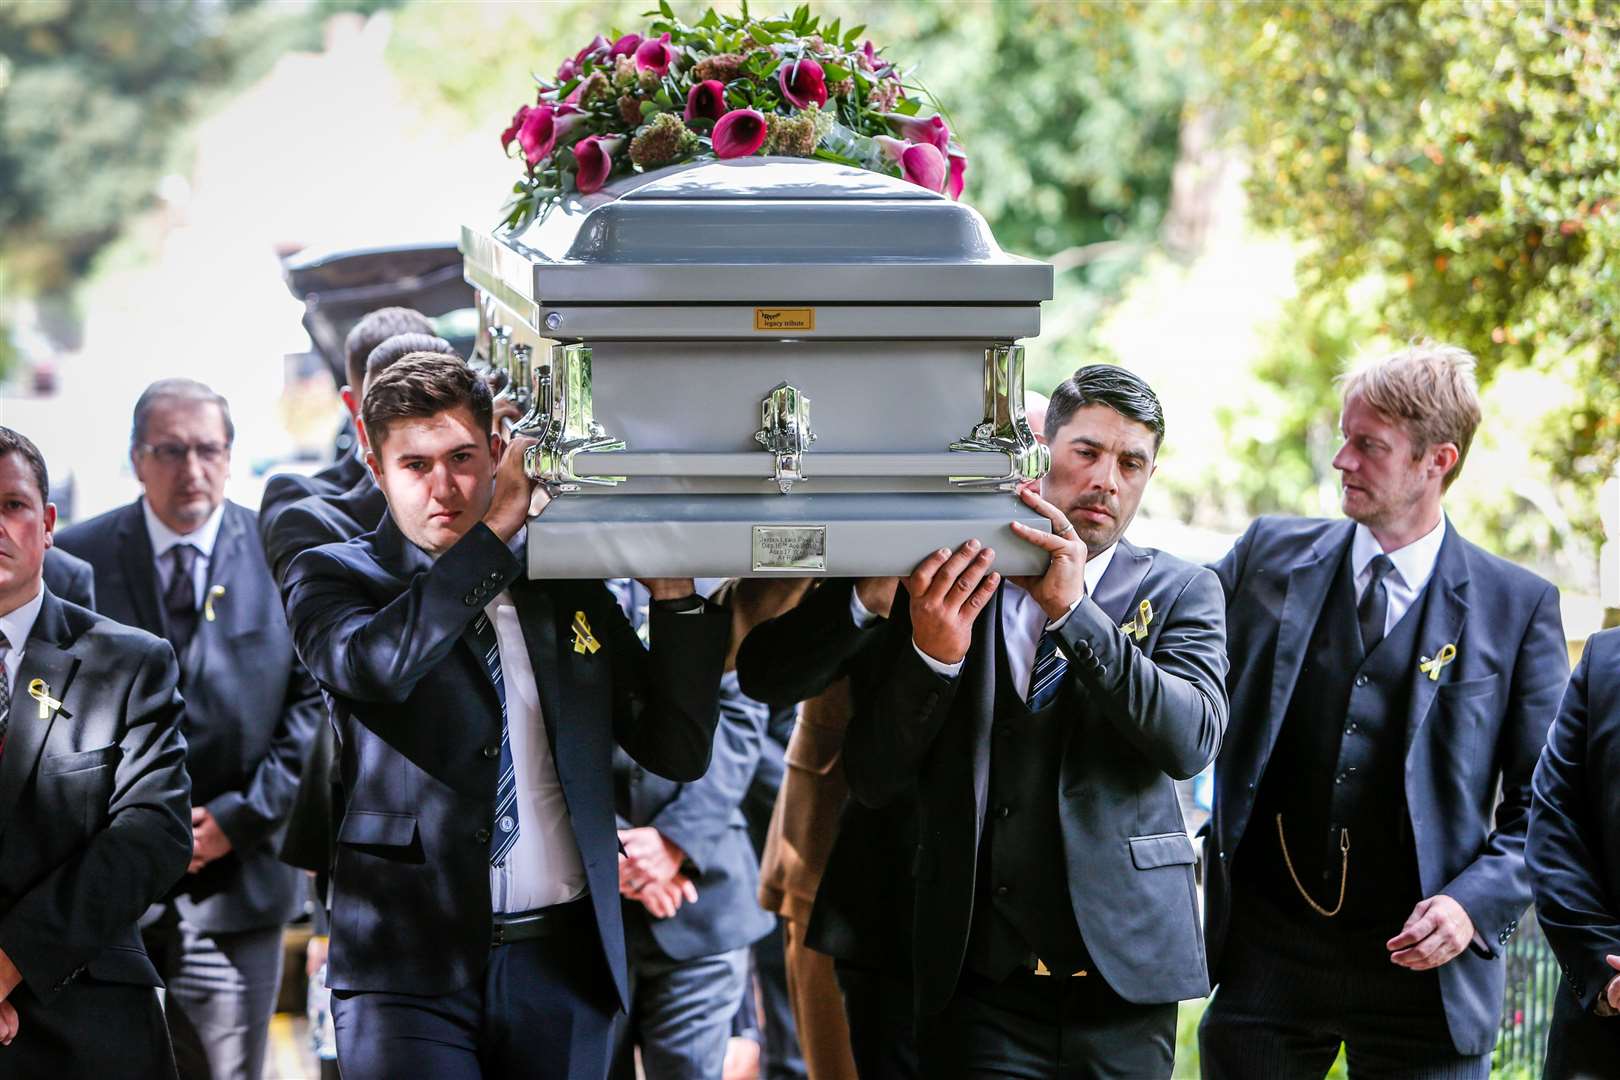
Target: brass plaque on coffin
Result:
[789, 548]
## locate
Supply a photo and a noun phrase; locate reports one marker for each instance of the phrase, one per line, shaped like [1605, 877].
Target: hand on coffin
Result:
[669, 588]
[1064, 582]
[516, 498]
[948, 590]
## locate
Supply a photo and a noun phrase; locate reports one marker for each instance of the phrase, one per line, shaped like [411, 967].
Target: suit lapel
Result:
[46, 659]
[538, 613]
[980, 670]
[1445, 607]
[1308, 584]
[140, 569]
[221, 562]
[1116, 592]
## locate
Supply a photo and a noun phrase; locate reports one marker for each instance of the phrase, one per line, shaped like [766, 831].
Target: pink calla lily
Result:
[958, 161]
[542, 127]
[655, 55]
[598, 44]
[924, 165]
[927, 129]
[594, 154]
[739, 133]
[803, 83]
[626, 46]
[706, 99]
[511, 131]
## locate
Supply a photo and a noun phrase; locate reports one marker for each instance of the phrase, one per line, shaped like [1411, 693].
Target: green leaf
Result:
[854, 35]
[663, 6]
[909, 106]
[835, 72]
[648, 108]
[832, 31]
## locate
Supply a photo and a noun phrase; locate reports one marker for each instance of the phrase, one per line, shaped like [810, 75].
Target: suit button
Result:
[494, 575]
[1004, 729]
[1084, 649]
[492, 751]
[470, 599]
[1361, 680]
[1003, 810]
[482, 836]
[1003, 890]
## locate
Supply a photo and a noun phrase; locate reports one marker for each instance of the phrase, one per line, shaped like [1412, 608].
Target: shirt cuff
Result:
[1057, 623]
[685, 605]
[858, 612]
[949, 671]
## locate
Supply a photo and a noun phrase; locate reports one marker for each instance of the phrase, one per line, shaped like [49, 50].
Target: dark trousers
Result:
[90, 1029]
[681, 1013]
[1041, 1027]
[882, 1035]
[221, 993]
[544, 1009]
[1580, 1046]
[1289, 995]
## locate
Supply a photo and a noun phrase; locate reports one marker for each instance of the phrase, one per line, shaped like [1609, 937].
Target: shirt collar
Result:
[1097, 566]
[18, 623]
[1414, 562]
[202, 537]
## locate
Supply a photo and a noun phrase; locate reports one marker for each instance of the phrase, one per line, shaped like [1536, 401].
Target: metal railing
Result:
[1532, 984]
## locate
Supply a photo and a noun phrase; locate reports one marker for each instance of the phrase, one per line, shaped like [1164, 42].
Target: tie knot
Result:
[184, 557]
[1380, 566]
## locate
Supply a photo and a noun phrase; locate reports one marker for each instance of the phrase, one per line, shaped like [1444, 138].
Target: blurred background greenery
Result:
[1241, 198]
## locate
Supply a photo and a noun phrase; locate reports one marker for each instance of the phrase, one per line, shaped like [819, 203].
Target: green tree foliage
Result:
[1464, 158]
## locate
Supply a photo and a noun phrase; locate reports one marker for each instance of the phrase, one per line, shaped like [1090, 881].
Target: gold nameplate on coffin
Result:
[798, 318]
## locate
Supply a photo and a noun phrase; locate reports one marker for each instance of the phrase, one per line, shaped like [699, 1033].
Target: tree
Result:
[1464, 159]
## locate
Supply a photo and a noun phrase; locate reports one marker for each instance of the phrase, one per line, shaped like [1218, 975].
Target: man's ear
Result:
[360, 434]
[374, 466]
[350, 401]
[50, 524]
[1444, 458]
[497, 447]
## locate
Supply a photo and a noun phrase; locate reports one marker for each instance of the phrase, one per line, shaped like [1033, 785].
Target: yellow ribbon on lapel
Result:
[217, 592]
[584, 640]
[1431, 668]
[40, 691]
[1137, 626]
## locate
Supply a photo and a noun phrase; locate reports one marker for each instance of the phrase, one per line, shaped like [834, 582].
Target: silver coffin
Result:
[764, 367]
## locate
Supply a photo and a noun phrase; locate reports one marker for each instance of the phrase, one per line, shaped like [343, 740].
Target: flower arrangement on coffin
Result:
[724, 87]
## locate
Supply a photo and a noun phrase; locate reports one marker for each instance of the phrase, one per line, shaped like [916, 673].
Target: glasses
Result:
[209, 453]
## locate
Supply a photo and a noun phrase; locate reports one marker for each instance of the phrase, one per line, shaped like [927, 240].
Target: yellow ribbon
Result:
[1137, 627]
[584, 640]
[1431, 668]
[215, 593]
[40, 691]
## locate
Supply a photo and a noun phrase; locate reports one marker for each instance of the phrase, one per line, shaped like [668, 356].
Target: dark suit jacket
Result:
[862, 910]
[382, 627]
[704, 819]
[1482, 722]
[288, 530]
[284, 489]
[251, 709]
[1151, 712]
[95, 813]
[1573, 847]
[70, 578]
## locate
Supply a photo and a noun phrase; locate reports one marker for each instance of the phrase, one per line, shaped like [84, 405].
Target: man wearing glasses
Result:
[186, 564]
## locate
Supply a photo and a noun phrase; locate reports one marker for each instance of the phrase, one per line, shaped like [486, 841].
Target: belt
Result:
[542, 922]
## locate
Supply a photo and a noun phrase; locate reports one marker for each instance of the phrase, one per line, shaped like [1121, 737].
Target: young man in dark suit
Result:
[476, 927]
[70, 578]
[1573, 852]
[1040, 725]
[94, 811]
[1391, 688]
[185, 563]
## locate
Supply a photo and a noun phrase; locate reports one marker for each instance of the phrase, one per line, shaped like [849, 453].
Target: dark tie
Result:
[1046, 677]
[180, 601]
[1373, 610]
[5, 692]
[505, 831]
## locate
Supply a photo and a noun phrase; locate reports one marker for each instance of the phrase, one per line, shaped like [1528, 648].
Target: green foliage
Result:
[1464, 156]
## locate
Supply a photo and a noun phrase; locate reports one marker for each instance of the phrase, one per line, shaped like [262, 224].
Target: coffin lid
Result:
[777, 230]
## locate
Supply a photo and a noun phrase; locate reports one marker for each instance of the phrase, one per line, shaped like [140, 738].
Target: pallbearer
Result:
[1388, 680]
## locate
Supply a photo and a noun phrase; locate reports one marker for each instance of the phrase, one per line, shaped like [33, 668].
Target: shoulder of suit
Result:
[97, 631]
[1281, 529]
[83, 534]
[1487, 569]
[1171, 570]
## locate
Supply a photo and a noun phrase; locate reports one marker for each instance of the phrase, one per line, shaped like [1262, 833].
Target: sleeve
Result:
[368, 653]
[702, 813]
[801, 652]
[1563, 846]
[1171, 705]
[664, 695]
[1495, 888]
[251, 816]
[59, 925]
[1231, 567]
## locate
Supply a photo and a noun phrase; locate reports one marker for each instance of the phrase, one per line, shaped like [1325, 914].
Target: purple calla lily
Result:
[739, 133]
[594, 154]
[626, 46]
[542, 126]
[511, 131]
[655, 55]
[958, 161]
[706, 99]
[803, 83]
[925, 166]
[928, 129]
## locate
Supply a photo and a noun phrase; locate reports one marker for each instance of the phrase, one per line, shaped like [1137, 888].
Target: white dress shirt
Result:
[544, 866]
[1414, 566]
[164, 538]
[17, 624]
[1022, 623]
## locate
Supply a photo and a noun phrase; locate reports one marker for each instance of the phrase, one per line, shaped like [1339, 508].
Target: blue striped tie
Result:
[505, 832]
[1046, 677]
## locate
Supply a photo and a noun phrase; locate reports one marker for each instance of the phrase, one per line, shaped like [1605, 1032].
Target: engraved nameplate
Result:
[790, 548]
[784, 318]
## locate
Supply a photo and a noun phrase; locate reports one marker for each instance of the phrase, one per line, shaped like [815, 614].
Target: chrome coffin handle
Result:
[784, 416]
[562, 421]
[1004, 428]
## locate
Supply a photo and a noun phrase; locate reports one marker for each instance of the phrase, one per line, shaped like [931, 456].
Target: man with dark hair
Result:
[1391, 687]
[476, 921]
[1573, 852]
[95, 803]
[1039, 725]
[185, 563]
[284, 489]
